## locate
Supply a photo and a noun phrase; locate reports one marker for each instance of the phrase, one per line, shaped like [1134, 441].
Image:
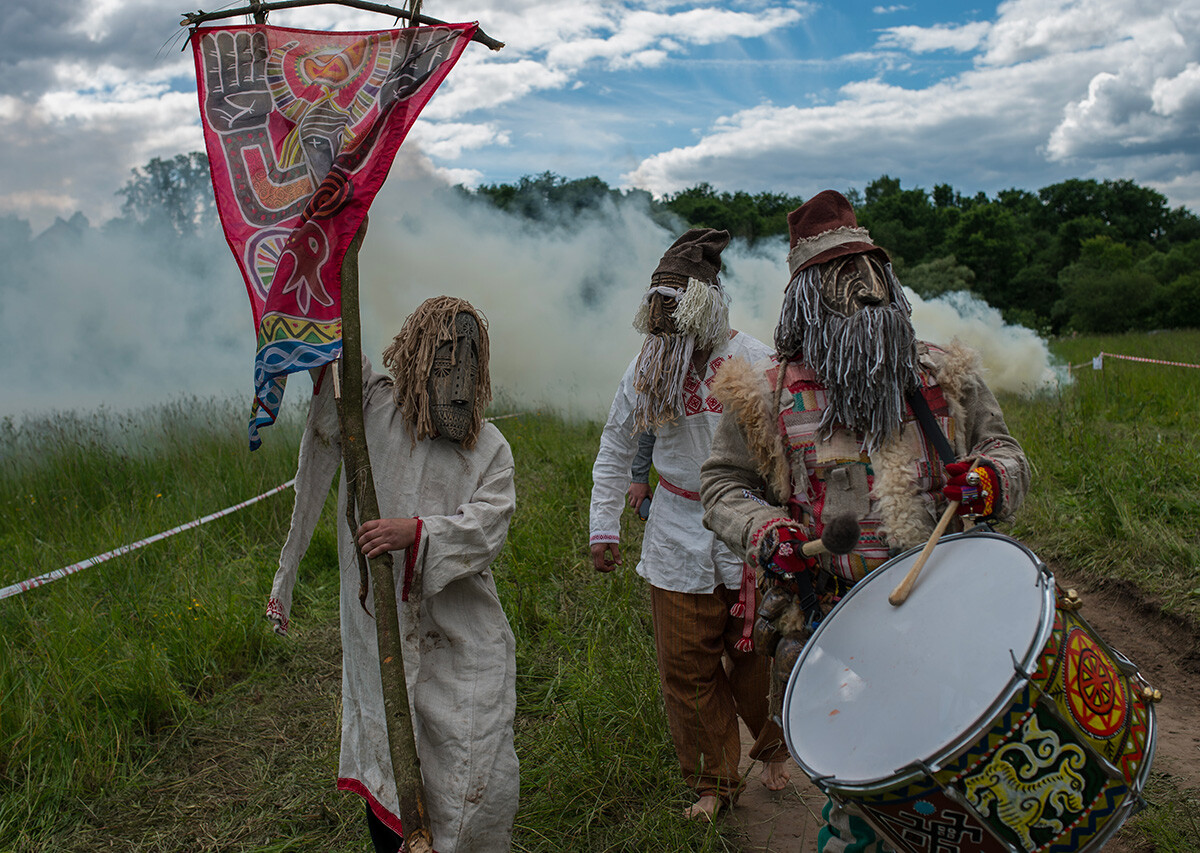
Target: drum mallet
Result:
[900, 593]
[839, 537]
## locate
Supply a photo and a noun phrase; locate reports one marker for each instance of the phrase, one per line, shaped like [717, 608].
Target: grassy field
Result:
[1114, 454]
[146, 706]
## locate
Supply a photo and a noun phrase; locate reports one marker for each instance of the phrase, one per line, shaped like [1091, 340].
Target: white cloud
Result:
[448, 140]
[1146, 98]
[1105, 88]
[478, 85]
[640, 31]
[122, 91]
[1178, 95]
[961, 39]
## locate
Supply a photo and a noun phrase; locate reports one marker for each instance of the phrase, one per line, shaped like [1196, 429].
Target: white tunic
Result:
[459, 652]
[678, 553]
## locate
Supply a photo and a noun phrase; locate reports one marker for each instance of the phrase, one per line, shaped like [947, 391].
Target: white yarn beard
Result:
[662, 367]
[702, 318]
[867, 361]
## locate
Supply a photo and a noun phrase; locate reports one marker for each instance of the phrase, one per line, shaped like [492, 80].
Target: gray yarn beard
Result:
[867, 361]
[662, 367]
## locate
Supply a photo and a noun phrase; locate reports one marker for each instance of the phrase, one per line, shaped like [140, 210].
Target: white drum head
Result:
[879, 687]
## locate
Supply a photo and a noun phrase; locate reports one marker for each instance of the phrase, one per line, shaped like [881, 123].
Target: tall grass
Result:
[598, 771]
[1115, 457]
[105, 674]
[93, 665]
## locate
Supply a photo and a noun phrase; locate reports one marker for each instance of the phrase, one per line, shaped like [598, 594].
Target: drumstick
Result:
[900, 593]
[839, 537]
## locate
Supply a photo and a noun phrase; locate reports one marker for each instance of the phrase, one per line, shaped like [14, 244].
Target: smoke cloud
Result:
[113, 317]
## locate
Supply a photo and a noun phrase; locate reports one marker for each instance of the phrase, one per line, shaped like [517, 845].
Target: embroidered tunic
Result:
[896, 495]
[678, 553]
[459, 652]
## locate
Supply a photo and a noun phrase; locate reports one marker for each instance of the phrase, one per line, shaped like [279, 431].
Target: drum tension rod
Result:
[925, 768]
[1021, 673]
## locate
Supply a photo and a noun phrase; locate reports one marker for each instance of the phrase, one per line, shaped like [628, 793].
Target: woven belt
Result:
[675, 490]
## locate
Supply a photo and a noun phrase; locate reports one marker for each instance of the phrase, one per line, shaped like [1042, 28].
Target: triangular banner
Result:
[301, 128]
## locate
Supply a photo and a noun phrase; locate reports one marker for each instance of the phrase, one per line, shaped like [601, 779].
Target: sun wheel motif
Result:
[1095, 690]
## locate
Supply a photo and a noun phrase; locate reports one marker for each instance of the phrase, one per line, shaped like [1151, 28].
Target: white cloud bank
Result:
[1093, 88]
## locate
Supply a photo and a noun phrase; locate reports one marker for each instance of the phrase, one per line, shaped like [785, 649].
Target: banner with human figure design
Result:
[301, 128]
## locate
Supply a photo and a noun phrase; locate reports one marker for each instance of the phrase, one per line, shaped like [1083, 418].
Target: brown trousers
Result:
[704, 697]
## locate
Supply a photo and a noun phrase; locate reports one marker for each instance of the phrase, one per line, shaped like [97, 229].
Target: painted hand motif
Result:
[237, 97]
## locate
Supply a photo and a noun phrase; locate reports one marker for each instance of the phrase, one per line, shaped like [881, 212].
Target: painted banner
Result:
[301, 128]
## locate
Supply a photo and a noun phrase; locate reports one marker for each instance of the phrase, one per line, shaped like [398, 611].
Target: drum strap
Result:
[929, 425]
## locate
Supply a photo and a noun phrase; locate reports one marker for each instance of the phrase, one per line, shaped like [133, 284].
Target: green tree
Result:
[1104, 292]
[549, 196]
[175, 193]
[987, 239]
[1135, 214]
[1176, 305]
[750, 217]
[904, 222]
[938, 276]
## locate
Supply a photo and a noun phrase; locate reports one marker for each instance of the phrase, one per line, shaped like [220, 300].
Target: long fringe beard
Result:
[702, 319]
[867, 361]
[662, 367]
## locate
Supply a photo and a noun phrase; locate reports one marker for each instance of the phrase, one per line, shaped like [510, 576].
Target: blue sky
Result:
[791, 96]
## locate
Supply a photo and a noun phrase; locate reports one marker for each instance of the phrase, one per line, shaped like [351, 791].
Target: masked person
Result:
[697, 591]
[828, 430]
[444, 480]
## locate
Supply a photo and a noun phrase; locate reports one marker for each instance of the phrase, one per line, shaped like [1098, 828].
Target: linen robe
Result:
[459, 651]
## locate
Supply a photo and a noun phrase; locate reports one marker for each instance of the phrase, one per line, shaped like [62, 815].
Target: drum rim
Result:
[1023, 671]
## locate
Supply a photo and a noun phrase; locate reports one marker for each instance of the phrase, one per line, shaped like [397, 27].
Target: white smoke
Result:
[114, 321]
[1015, 358]
[560, 299]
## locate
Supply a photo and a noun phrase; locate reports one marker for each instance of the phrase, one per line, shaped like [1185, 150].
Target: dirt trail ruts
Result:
[1165, 650]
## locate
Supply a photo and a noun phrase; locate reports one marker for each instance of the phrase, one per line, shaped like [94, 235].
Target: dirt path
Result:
[1168, 656]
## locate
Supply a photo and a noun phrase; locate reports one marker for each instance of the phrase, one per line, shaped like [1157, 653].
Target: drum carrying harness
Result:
[933, 432]
[929, 426]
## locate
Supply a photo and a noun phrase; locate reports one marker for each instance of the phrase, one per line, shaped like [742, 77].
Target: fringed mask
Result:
[676, 305]
[680, 316]
[453, 380]
[853, 282]
[849, 321]
[439, 367]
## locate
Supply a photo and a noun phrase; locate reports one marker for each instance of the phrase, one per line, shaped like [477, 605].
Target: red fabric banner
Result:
[301, 128]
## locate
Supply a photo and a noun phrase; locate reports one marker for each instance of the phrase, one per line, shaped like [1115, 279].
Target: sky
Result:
[786, 96]
[790, 96]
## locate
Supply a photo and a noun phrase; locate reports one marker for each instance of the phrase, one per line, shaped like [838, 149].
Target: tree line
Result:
[1080, 255]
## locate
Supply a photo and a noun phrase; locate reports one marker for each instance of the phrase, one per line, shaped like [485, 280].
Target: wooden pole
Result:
[261, 7]
[406, 766]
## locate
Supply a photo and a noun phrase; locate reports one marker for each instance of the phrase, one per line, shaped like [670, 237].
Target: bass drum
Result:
[982, 715]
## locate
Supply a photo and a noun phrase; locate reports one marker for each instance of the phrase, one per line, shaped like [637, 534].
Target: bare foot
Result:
[705, 808]
[774, 775]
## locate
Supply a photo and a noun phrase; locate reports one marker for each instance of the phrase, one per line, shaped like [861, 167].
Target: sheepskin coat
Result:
[769, 465]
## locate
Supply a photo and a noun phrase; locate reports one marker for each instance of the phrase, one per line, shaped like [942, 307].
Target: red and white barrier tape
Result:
[18, 588]
[40, 580]
[1097, 363]
[1150, 360]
